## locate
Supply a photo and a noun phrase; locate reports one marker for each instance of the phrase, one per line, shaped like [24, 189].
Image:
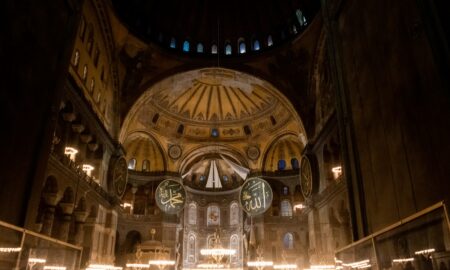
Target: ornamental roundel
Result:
[120, 176]
[170, 196]
[174, 151]
[255, 196]
[307, 178]
[253, 152]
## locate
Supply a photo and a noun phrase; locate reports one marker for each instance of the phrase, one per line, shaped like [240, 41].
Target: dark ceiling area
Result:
[258, 25]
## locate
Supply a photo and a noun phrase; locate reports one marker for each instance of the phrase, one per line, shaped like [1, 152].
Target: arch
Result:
[192, 214]
[68, 196]
[186, 46]
[145, 165]
[51, 185]
[92, 85]
[82, 33]
[234, 213]
[285, 190]
[213, 215]
[295, 165]
[228, 49]
[286, 208]
[173, 43]
[235, 244]
[85, 73]
[90, 40]
[200, 48]
[288, 240]
[256, 45]
[132, 239]
[191, 248]
[76, 58]
[242, 46]
[214, 49]
[269, 41]
[281, 164]
[132, 164]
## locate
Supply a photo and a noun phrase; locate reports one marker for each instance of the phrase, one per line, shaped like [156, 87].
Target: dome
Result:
[196, 26]
[212, 102]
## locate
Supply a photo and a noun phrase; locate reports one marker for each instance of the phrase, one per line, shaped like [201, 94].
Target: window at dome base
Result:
[173, 43]
[199, 48]
[186, 46]
[269, 41]
[132, 164]
[294, 163]
[242, 47]
[228, 49]
[256, 46]
[214, 132]
[214, 49]
[301, 18]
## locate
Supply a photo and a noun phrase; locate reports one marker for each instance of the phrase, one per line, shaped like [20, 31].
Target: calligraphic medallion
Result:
[170, 196]
[119, 176]
[306, 177]
[256, 196]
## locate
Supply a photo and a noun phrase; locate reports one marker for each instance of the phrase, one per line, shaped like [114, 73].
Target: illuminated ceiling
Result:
[188, 112]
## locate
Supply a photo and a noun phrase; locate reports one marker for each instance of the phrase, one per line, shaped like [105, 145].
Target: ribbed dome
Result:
[144, 153]
[212, 102]
[214, 96]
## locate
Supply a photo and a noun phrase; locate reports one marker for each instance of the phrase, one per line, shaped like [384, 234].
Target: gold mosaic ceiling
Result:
[193, 103]
[215, 95]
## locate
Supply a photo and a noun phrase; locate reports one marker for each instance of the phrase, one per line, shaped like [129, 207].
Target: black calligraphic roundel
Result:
[256, 196]
[170, 196]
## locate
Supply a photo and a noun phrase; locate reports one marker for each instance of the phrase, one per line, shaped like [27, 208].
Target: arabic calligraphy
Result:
[256, 196]
[170, 196]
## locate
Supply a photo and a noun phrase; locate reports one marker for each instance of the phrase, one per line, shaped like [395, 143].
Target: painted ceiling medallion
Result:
[253, 152]
[175, 151]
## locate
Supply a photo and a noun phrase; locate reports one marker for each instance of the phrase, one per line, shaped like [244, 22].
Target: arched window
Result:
[213, 215]
[180, 129]
[281, 164]
[173, 43]
[202, 178]
[145, 165]
[90, 41]
[76, 58]
[228, 49]
[96, 56]
[85, 73]
[191, 248]
[132, 164]
[234, 244]
[256, 46]
[82, 28]
[300, 17]
[288, 241]
[92, 86]
[200, 48]
[186, 46]
[294, 163]
[286, 208]
[214, 49]
[99, 95]
[269, 41]
[234, 213]
[192, 214]
[285, 191]
[242, 47]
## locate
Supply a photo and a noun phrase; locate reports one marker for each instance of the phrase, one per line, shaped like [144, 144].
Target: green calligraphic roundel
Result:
[170, 196]
[256, 196]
